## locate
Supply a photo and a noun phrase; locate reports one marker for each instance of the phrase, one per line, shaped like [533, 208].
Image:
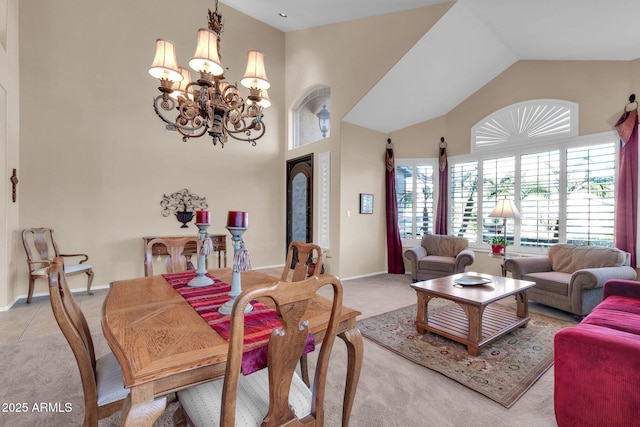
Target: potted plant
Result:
[497, 245]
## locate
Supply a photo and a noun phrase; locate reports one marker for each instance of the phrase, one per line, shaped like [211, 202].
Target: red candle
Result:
[238, 219]
[203, 217]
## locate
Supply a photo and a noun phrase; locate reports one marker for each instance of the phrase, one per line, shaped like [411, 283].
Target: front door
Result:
[300, 199]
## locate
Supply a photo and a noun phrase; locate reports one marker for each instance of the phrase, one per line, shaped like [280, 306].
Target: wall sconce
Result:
[323, 120]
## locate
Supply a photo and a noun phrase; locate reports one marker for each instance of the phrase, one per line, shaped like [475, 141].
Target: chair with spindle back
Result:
[41, 249]
[303, 260]
[276, 395]
[102, 383]
[176, 261]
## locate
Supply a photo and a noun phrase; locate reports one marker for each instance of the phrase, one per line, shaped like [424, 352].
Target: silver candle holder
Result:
[239, 264]
[201, 278]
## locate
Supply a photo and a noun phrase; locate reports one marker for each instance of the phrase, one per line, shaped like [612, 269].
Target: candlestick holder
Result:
[240, 263]
[201, 278]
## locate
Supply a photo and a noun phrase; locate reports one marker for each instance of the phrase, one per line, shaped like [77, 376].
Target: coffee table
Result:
[472, 321]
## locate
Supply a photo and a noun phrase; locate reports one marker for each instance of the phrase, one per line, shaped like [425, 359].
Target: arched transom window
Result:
[537, 119]
[311, 117]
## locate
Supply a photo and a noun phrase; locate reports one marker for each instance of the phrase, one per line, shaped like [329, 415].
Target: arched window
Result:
[311, 117]
[536, 119]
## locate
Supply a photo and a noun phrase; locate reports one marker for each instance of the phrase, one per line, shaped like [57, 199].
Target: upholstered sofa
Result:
[570, 277]
[597, 362]
[438, 256]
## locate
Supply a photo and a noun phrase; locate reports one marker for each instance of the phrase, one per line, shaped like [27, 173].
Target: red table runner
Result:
[258, 323]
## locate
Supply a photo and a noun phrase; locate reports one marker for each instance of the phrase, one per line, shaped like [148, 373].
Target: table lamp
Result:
[505, 209]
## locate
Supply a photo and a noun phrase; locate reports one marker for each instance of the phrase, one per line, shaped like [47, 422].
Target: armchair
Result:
[571, 277]
[439, 256]
[41, 249]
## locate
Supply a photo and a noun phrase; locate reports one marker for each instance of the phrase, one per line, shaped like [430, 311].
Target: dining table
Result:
[164, 345]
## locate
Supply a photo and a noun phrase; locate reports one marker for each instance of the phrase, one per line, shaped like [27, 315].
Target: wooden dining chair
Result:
[41, 249]
[176, 260]
[303, 260]
[102, 384]
[276, 395]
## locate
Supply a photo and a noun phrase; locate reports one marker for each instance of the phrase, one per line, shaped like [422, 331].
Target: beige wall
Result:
[600, 88]
[9, 146]
[363, 236]
[351, 58]
[95, 159]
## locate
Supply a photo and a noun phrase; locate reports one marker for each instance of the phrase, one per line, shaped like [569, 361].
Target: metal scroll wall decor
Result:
[182, 204]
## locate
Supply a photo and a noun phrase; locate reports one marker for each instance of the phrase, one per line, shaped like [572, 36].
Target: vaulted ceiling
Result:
[472, 43]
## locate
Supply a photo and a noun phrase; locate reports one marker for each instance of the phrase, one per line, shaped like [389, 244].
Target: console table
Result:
[219, 245]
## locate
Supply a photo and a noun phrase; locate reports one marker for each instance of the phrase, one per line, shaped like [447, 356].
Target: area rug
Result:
[503, 371]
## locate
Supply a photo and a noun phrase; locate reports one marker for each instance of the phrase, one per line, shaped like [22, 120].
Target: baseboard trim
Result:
[42, 295]
[364, 275]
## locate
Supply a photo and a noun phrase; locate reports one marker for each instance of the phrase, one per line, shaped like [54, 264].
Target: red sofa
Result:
[597, 362]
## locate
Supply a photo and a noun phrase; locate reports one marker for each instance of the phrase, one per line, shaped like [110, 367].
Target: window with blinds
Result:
[463, 199]
[497, 182]
[540, 198]
[590, 195]
[564, 191]
[415, 185]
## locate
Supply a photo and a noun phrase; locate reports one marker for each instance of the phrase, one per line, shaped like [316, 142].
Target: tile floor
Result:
[27, 321]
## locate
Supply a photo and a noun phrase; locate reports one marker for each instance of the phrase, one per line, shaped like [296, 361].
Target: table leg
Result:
[422, 311]
[522, 306]
[355, 349]
[141, 409]
[474, 317]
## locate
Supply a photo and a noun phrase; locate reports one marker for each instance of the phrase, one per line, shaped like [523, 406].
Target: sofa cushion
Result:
[622, 304]
[570, 258]
[551, 281]
[437, 263]
[448, 246]
[617, 313]
[611, 332]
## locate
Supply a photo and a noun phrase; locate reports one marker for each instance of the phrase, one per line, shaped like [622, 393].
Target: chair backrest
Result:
[76, 330]
[444, 245]
[176, 262]
[571, 258]
[300, 256]
[39, 244]
[293, 304]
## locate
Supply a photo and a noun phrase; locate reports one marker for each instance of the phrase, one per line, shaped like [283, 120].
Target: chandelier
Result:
[210, 105]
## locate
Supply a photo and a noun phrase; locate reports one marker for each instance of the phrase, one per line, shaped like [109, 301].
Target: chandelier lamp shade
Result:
[210, 105]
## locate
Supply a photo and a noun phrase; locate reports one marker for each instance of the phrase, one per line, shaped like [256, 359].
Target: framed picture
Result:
[366, 203]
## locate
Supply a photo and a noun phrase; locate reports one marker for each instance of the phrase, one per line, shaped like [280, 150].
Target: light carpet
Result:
[503, 371]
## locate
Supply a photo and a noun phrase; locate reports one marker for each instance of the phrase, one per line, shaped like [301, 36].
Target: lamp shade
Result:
[255, 76]
[180, 88]
[264, 102]
[164, 64]
[206, 58]
[505, 209]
